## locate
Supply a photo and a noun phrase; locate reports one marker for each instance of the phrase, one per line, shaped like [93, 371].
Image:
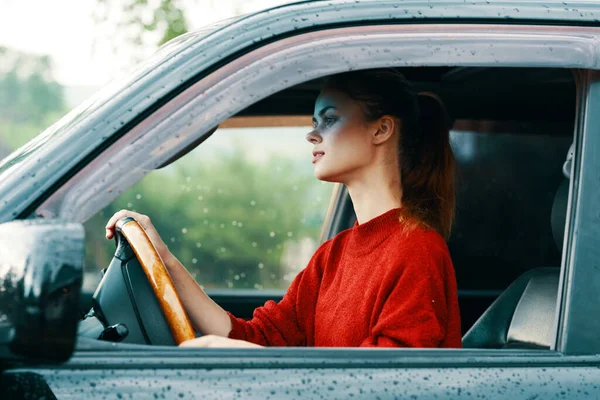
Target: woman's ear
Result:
[385, 127]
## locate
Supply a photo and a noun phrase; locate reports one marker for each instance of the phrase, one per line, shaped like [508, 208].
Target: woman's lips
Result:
[317, 155]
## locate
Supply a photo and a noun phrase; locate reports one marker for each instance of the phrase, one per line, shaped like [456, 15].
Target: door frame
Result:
[292, 60]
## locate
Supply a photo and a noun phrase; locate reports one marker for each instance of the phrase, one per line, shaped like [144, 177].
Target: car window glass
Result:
[242, 210]
[503, 217]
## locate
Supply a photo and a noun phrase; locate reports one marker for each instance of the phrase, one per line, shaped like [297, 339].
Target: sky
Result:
[84, 53]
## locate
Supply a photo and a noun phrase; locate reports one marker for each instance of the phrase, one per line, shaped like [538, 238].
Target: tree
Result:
[138, 21]
[152, 23]
[28, 92]
[30, 98]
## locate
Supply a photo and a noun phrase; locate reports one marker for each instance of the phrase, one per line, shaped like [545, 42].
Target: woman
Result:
[389, 280]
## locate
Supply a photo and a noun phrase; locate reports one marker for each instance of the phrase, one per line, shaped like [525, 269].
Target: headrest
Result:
[568, 165]
[559, 214]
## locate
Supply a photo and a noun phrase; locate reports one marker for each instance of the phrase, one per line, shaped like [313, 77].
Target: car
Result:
[519, 79]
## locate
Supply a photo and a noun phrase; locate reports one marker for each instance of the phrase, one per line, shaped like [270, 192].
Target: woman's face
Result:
[341, 137]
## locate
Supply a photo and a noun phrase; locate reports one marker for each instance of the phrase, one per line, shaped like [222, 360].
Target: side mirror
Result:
[41, 271]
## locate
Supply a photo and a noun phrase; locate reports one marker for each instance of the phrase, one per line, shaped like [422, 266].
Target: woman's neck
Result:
[375, 192]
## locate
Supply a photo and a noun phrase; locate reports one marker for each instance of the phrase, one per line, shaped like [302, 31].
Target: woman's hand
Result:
[215, 341]
[144, 221]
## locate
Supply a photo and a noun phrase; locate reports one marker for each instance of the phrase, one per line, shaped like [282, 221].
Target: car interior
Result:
[511, 131]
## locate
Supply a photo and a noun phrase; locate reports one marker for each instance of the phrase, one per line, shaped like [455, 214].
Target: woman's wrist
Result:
[171, 262]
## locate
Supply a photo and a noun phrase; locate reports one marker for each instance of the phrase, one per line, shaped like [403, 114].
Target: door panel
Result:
[322, 374]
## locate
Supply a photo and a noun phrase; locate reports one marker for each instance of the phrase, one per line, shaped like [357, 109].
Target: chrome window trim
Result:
[578, 326]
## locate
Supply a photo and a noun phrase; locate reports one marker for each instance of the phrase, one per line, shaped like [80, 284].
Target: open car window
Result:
[244, 211]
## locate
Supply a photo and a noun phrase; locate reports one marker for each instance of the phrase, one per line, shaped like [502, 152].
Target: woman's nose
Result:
[313, 137]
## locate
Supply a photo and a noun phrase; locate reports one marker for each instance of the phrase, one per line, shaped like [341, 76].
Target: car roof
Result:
[258, 28]
[313, 14]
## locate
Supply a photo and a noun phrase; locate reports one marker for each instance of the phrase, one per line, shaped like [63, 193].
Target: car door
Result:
[568, 368]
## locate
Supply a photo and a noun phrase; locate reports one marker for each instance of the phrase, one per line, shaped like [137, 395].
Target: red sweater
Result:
[373, 285]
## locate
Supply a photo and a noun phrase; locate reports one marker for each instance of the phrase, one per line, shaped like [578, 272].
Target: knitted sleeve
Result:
[286, 323]
[413, 311]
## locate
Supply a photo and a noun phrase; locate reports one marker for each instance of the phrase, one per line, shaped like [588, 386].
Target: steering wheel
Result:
[159, 279]
[137, 294]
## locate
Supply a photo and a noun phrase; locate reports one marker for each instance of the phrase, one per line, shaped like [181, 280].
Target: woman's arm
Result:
[206, 316]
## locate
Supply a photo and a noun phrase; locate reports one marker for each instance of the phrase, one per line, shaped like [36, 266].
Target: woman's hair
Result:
[426, 160]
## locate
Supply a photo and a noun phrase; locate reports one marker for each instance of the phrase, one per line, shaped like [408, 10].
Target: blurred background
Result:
[54, 55]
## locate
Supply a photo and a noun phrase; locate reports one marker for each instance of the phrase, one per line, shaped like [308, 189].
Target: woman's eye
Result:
[329, 120]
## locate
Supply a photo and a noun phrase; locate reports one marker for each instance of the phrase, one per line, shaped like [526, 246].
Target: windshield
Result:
[78, 114]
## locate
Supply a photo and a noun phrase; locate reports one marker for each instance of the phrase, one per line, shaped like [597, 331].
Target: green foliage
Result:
[138, 17]
[227, 219]
[30, 99]
[173, 18]
[14, 134]
[27, 91]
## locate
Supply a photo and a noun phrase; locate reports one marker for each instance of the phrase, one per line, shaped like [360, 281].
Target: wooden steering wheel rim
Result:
[159, 279]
